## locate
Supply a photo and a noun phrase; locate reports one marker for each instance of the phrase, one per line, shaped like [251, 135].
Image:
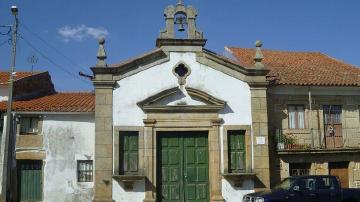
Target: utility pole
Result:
[8, 143]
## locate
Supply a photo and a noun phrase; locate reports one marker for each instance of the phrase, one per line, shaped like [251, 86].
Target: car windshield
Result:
[285, 184]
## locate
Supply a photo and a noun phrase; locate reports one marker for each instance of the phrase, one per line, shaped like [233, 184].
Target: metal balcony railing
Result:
[289, 142]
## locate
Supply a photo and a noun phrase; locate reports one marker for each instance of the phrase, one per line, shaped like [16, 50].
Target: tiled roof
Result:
[301, 68]
[4, 76]
[57, 102]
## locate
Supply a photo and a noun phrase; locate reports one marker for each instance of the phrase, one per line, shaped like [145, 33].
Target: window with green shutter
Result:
[129, 152]
[236, 148]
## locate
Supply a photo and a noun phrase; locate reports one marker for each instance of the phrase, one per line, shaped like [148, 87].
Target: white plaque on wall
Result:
[260, 140]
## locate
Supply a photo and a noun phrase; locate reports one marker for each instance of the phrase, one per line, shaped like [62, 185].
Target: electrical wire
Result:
[4, 42]
[7, 26]
[52, 47]
[51, 61]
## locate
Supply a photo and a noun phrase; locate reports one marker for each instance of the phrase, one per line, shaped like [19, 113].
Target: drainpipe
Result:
[252, 148]
[310, 119]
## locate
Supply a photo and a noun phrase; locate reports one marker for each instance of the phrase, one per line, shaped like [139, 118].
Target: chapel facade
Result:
[182, 123]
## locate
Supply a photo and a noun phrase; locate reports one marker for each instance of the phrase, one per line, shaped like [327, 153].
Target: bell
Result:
[181, 28]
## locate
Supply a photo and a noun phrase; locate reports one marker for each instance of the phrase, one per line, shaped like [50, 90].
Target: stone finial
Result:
[101, 54]
[258, 55]
[180, 2]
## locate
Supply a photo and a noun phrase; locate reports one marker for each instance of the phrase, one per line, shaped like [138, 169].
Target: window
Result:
[237, 156]
[296, 116]
[299, 169]
[85, 170]
[28, 125]
[332, 114]
[306, 184]
[129, 152]
[325, 183]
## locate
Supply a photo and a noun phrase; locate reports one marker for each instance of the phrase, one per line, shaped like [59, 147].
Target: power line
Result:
[4, 42]
[51, 61]
[52, 47]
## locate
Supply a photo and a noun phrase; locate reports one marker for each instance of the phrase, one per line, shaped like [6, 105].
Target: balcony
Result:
[303, 142]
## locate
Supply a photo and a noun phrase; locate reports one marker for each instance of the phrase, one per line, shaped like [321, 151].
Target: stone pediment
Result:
[182, 99]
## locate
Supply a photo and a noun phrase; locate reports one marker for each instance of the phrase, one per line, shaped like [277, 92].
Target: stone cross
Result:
[101, 54]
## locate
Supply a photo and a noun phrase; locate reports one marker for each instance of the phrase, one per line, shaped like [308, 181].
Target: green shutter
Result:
[30, 180]
[129, 152]
[237, 155]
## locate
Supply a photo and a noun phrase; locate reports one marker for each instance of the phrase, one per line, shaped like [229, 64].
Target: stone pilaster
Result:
[149, 160]
[103, 142]
[214, 161]
[260, 132]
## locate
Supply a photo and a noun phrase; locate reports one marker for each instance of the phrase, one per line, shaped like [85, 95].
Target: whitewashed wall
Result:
[67, 138]
[149, 82]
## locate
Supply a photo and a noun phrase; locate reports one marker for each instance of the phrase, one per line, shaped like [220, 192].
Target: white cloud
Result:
[81, 32]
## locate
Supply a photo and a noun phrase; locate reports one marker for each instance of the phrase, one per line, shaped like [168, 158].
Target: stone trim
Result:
[103, 160]
[260, 130]
[248, 146]
[30, 155]
[117, 130]
[181, 79]
[175, 122]
[255, 77]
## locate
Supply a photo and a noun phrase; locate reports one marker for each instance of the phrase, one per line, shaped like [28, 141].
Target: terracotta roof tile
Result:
[301, 68]
[4, 76]
[57, 102]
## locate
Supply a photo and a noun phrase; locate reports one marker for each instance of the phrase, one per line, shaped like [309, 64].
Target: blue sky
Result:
[131, 28]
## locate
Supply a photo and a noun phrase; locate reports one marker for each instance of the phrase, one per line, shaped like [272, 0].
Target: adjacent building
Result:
[182, 123]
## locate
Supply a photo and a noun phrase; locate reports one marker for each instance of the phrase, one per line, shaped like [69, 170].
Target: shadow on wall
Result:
[135, 187]
[226, 110]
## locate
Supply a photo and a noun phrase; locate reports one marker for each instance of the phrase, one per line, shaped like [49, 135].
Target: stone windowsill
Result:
[128, 180]
[237, 179]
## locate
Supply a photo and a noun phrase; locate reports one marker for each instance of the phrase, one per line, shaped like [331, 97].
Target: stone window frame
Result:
[248, 146]
[181, 79]
[116, 161]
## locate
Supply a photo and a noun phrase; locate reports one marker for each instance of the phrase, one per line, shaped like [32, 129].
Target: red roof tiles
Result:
[58, 102]
[301, 68]
[4, 76]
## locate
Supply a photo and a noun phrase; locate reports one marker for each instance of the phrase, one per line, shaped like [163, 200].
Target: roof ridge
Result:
[75, 92]
[339, 60]
[274, 50]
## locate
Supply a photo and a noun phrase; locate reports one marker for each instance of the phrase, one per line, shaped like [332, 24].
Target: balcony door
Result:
[333, 126]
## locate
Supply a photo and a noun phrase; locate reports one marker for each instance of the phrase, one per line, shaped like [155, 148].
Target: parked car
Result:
[322, 188]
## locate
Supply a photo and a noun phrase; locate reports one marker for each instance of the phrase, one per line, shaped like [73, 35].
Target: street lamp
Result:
[8, 143]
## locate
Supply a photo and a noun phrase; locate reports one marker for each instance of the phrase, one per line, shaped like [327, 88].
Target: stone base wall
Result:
[320, 164]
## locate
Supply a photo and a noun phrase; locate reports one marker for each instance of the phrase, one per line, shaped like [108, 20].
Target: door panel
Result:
[29, 180]
[171, 168]
[340, 170]
[196, 168]
[183, 162]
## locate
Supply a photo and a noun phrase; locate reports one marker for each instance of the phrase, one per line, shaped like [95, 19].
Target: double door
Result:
[183, 168]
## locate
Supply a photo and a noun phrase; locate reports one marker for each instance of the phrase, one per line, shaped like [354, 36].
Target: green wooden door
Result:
[30, 180]
[183, 167]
